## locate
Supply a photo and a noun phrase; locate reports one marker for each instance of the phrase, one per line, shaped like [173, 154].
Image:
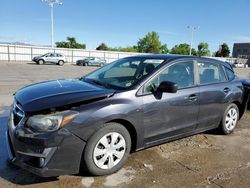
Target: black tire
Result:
[40, 62]
[89, 160]
[226, 127]
[61, 62]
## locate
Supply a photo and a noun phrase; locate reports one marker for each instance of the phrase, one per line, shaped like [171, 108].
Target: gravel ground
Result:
[204, 160]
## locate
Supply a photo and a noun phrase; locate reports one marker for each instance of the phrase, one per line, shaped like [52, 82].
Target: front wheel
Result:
[40, 62]
[230, 119]
[107, 150]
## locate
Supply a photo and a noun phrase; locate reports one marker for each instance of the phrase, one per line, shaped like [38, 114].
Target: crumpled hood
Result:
[57, 93]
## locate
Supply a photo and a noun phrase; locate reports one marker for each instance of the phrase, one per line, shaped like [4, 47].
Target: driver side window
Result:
[181, 73]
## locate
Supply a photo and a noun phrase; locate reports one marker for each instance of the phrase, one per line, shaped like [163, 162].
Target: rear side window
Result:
[210, 73]
[230, 74]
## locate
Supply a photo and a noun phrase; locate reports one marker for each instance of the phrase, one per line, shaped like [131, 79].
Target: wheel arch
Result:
[131, 129]
[241, 108]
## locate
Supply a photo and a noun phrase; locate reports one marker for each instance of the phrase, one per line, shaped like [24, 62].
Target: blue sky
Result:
[123, 22]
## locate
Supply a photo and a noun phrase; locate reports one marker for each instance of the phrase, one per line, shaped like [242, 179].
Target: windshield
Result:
[48, 54]
[124, 73]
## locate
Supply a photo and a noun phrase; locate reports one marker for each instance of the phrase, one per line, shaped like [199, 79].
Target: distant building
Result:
[241, 50]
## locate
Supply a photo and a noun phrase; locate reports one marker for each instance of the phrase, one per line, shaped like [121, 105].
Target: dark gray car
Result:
[91, 61]
[58, 127]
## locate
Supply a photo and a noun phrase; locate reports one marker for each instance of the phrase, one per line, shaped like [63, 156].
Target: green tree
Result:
[223, 51]
[70, 43]
[125, 49]
[203, 49]
[103, 47]
[181, 49]
[164, 49]
[151, 44]
[129, 49]
[194, 52]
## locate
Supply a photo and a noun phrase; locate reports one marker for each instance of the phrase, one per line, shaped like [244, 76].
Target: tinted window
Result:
[210, 73]
[180, 73]
[230, 74]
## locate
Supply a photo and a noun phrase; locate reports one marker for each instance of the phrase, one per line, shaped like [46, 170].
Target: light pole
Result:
[51, 4]
[193, 29]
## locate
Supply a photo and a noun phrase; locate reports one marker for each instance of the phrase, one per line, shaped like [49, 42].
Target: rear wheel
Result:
[61, 62]
[230, 119]
[107, 150]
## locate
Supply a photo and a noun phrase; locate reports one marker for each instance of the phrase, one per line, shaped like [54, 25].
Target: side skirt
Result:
[169, 139]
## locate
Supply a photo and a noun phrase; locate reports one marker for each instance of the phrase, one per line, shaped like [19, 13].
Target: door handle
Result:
[226, 90]
[192, 97]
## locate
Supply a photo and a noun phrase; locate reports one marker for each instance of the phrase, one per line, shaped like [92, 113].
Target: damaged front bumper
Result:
[47, 154]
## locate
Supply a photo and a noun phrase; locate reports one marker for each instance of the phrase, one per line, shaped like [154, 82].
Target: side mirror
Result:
[167, 87]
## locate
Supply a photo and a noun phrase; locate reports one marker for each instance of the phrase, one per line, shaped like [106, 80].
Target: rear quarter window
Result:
[230, 74]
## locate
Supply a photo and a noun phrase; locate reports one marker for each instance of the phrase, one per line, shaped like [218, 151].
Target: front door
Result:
[171, 114]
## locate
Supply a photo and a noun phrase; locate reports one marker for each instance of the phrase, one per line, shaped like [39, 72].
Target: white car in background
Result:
[238, 65]
[54, 58]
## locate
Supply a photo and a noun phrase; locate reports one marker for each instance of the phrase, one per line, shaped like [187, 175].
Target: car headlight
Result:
[52, 122]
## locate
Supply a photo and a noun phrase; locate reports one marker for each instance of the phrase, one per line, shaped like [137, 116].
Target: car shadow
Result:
[9, 172]
[31, 63]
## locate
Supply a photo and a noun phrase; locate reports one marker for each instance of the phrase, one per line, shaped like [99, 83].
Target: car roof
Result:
[171, 57]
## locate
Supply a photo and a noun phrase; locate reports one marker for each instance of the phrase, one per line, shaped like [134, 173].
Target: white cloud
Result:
[241, 38]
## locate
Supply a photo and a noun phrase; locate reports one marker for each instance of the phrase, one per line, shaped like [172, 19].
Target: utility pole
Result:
[51, 3]
[193, 29]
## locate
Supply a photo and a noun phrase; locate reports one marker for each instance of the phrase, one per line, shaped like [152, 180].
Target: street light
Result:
[51, 4]
[193, 29]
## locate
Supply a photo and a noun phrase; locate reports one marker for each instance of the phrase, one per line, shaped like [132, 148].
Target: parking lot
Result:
[204, 160]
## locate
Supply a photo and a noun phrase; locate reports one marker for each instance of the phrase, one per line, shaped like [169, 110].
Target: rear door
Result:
[50, 58]
[54, 58]
[215, 91]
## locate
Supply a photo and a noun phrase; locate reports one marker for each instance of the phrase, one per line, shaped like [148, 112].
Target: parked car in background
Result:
[55, 58]
[238, 65]
[91, 61]
[58, 127]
